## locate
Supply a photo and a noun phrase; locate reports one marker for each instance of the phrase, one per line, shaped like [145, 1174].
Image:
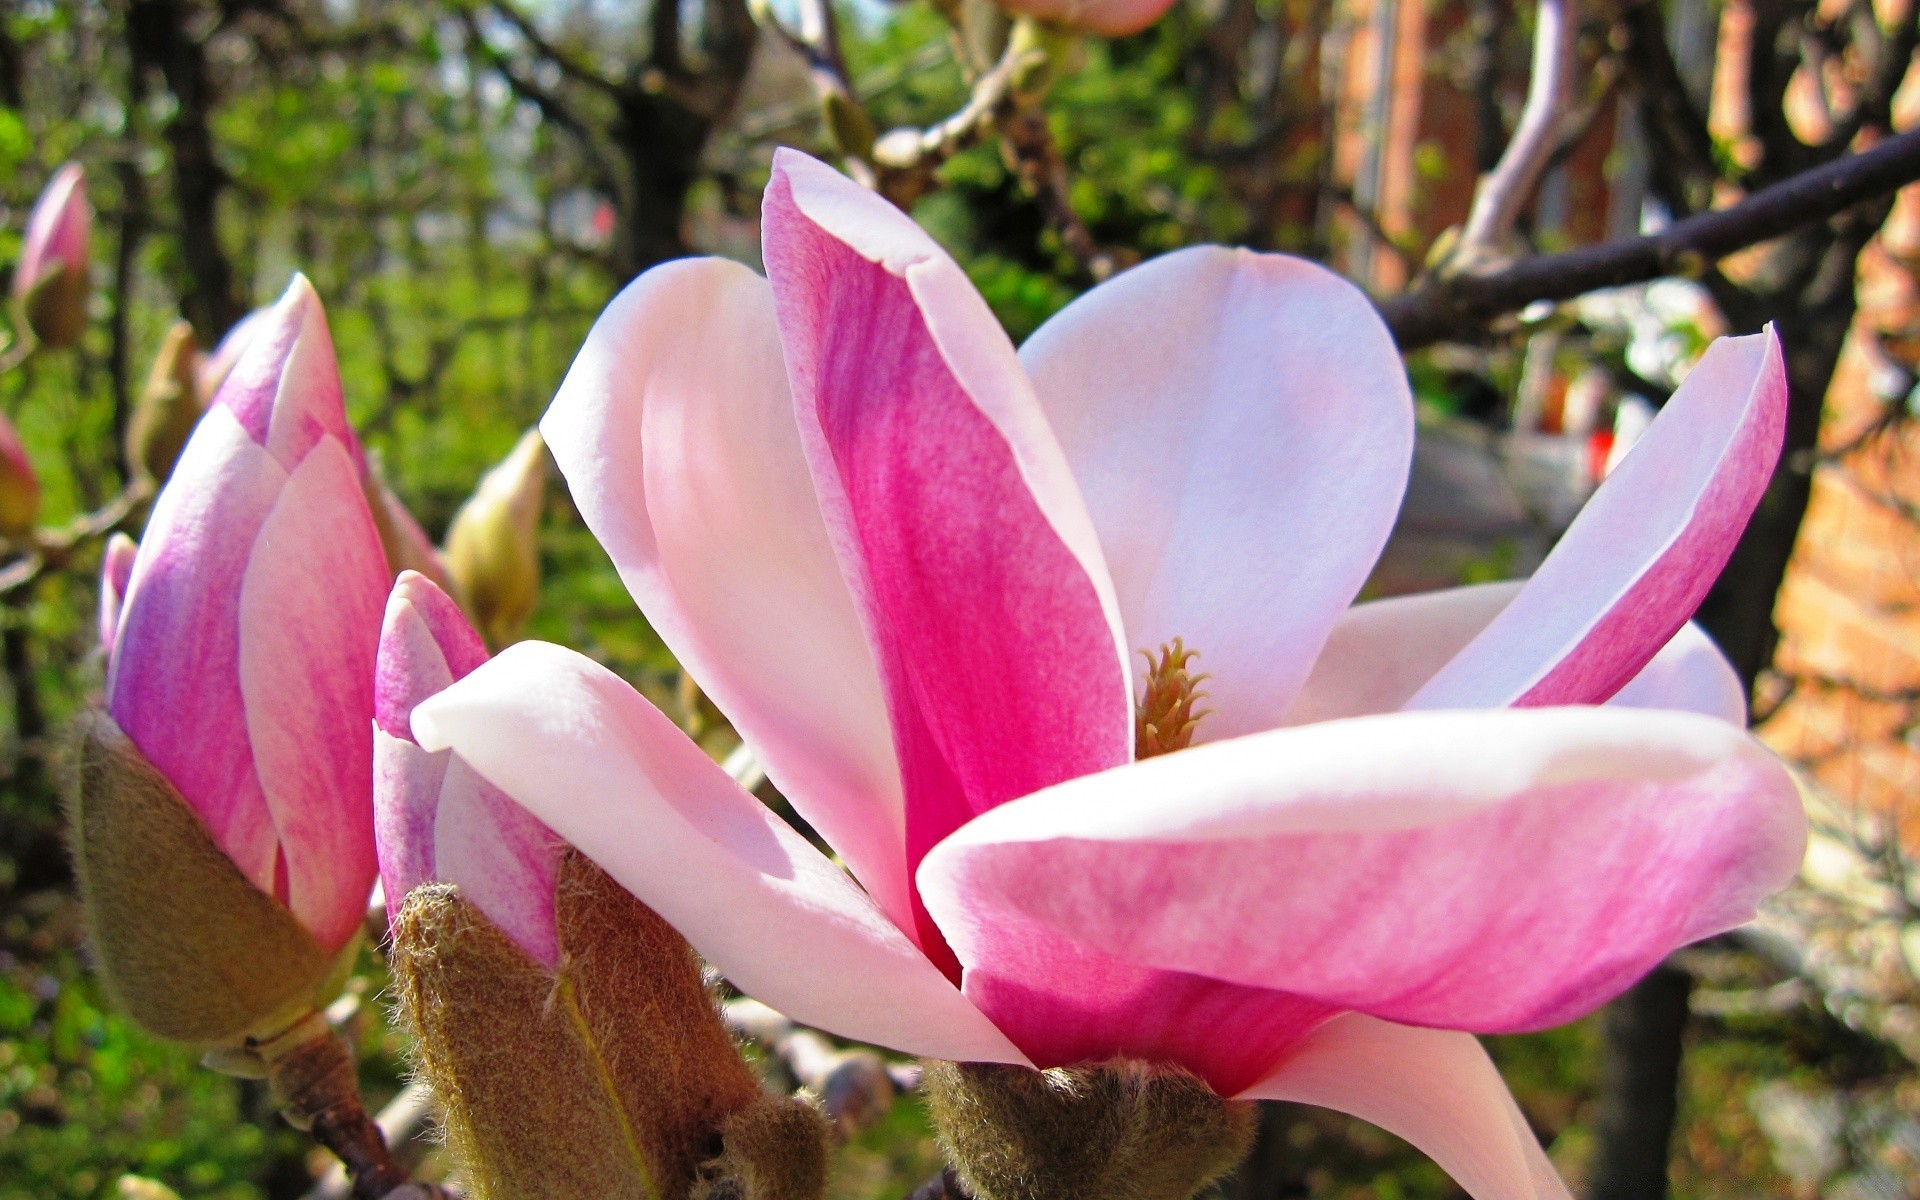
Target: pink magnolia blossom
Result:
[116, 567]
[58, 232]
[435, 820]
[915, 567]
[242, 658]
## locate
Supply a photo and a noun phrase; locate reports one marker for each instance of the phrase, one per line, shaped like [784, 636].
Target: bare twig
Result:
[407, 1125]
[1035, 157]
[856, 1087]
[1439, 307]
[53, 548]
[904, 159]
[1505, 190]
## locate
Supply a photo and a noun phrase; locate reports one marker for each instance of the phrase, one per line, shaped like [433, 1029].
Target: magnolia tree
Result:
[1128, 815]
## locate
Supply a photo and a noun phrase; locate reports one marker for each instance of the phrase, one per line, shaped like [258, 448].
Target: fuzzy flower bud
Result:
[1121, 1130]
[169, 406]
[50, 280]
[564, 1026]
[491, 550]
[239, 705]
[19, 484]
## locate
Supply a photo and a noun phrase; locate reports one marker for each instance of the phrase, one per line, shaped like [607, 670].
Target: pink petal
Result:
[1381, 652]
[1241, 427]
[285, 386]
[116, 567]
[1691, 674]
[675, 431]
[612, 775]
[1437, 1089]
[173, 682]
[434, 818]
[1642, 553]
[213, 369]
[1491, 871]
[1064, 1003]
[58, 230]
[1109, 18]
[309, 626]
[956, 520]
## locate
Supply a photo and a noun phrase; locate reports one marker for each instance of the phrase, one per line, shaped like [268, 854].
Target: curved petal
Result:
[1435, 1088]
[173, 682]
[1641, 555]
[310, 605]
[675, 430]
[1241, 427]
[1689, 674]
[611, 774]
[284, 388]
[1382, 652]
[956, 520]
[1492, 871]
[57, 230]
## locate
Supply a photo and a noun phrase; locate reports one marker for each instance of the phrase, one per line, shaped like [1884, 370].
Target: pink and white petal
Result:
[612, 775]
[675, 431]
[957, 524]
[1486, 870]
[1380, 653]
[1689, 674]
[285, 386]
[173, 682]
[310, 611]
[426, 643]
[1241, 427]
[1108, 18]
[1064, 1003]
[500, 857]
[406, 798]
[1641, 555]
[116, 568]
[1435, 1088]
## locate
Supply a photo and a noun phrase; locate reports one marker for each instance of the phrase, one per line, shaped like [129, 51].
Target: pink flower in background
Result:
[916, 570]
[242, 659]
[19, 483]
[435, 820]
[1109, 18]
[58, 232]
[116, 567]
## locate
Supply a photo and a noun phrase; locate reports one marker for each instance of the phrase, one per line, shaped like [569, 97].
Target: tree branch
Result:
[1505, 190]
[1439, 307]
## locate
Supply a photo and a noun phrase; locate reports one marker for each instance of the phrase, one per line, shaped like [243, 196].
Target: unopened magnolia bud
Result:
[610, 1075]
[774, 1149]
[137, 1187]
[187, 946]
[491, 552]
[50, 280]
[19, 484]
[169, 407]
[1120, 1130]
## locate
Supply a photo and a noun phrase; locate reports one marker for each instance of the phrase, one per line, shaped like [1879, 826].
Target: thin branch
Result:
[51, 549]
[1440, 307]
[407, 1125]
[568, 65]
[1505, 190]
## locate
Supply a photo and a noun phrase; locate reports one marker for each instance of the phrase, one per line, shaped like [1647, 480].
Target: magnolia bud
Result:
[407, 545]
[19, 484]
[169, 407]
[609, 1074]
[50, 281]
[491, 551]
[1120, 1130]
[187, 945]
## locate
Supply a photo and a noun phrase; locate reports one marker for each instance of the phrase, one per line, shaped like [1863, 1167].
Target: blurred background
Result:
[467, 184]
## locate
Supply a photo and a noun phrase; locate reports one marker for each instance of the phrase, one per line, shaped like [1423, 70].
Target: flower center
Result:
[1166, 717]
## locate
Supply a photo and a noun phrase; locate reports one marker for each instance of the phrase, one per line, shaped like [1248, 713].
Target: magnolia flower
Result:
[50, 280]
[917, 570]
[242, 657]
[434, 819]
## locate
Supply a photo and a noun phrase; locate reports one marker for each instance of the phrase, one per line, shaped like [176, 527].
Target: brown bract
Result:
[610, 1076]
[1120, 1130]
[187, 945]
